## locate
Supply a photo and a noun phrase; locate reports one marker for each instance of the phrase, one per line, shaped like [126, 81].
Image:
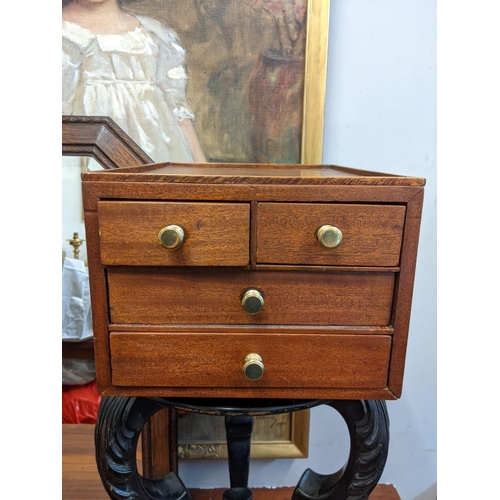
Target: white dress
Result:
[136, 78]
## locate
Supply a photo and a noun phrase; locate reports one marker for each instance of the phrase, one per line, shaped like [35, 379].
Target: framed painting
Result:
[273, 436]
[205, 81]
[202, 80]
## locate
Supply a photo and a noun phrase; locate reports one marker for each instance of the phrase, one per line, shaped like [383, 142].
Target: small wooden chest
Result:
[224, 280]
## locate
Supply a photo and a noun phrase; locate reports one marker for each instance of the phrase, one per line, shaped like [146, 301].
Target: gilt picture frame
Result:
[274, 436]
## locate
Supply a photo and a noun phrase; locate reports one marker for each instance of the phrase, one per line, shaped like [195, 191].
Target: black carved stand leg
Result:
[238, 434]
[120, 421]
[368, 425]
[118, 426]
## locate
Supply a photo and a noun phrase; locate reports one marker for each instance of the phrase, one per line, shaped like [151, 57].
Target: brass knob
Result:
[253, 367]
[252, 301]
[329, 236]
[171, 237]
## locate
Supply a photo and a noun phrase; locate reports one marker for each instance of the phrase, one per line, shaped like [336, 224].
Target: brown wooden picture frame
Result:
[102, 139]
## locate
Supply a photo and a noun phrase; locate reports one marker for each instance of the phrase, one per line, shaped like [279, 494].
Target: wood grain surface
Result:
[257, 173]
[371, 234]
[217, 234]
[216, 360]
[213, 296]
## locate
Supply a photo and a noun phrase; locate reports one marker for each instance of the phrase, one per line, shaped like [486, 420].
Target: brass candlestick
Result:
[76, 242]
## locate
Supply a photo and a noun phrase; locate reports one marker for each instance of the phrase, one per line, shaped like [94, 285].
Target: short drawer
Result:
[371, 234]
[217, 360]
[214, 296]
[215, 234]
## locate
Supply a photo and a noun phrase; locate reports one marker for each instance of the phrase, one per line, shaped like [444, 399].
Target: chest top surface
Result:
[251, 173]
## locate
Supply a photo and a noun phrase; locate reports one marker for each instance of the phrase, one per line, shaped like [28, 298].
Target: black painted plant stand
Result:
[121, 419]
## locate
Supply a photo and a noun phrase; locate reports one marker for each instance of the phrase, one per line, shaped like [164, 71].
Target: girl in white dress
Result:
[130, 68]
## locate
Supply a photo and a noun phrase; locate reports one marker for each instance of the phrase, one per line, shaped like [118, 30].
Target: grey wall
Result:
[380, 115]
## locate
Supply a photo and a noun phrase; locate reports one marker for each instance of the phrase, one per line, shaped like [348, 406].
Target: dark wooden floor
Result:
[80, 479]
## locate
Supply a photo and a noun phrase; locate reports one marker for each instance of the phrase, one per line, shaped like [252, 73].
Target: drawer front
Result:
[217, 360]
[214, 296]
[371, 234]
[216, 234]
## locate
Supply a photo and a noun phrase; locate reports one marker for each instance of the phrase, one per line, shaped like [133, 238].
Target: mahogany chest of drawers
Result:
[251, 281]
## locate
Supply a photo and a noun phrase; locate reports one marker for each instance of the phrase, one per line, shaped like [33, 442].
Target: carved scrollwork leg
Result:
[121, 419]
[118, 426]
[368, 425]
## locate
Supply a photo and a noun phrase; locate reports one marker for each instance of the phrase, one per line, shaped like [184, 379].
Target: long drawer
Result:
[214, 296]
[216, 360]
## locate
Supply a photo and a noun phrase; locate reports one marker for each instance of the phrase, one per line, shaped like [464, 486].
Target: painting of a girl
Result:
[132, 69]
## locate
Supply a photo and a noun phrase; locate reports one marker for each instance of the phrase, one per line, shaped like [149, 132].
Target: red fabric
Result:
[80, 403]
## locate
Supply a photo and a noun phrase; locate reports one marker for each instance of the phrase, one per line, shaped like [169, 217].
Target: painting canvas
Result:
[193, 80]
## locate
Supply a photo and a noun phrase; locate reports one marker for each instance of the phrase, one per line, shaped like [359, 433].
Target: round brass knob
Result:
[253, 367]
[252, 301]
[329, 236]
[171, 237]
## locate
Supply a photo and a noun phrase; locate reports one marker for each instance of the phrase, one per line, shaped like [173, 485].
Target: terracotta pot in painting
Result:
[275, 102]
